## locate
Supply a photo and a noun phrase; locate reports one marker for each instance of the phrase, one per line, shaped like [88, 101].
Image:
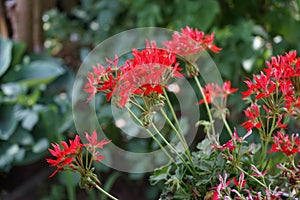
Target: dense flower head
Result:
[253, 114]
[277, 91]
[281, 77]
[69, 156]
[148, 71]
[286, 144]
[284, 66]
[65, 155]
[190, 41]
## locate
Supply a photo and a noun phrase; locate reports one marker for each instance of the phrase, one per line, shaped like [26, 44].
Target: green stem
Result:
[227, 126]
[180, 135]
[137, 105]
[181, 138]
[172, 110]
[255, 179]
[91, 160]
[103, 191]
[206, 105]
[86, 158]
[173, 149]
[150, 133]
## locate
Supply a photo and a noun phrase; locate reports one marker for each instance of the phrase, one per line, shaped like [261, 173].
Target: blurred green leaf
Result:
[22, 136]
[40, 146]
[200, 14]
[30, 120]
[34, 73]
[8, 151]
[8, 123]
[5, 55]
[18, 51]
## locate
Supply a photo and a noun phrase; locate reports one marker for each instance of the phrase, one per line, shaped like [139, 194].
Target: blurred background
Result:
[43, 44]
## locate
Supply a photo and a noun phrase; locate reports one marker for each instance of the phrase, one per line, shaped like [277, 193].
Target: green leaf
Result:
[8, 152]
[160, 174]
[30, 120]
[8, 122]
[18, 51]
[23, 137]
[5, 55]
[35, 73]
[201, 14]
[40, 146]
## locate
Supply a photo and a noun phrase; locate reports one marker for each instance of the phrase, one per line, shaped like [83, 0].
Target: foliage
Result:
[31, 93]
[236, 169]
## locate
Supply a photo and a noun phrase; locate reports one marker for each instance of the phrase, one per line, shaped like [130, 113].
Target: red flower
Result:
[227, 90]
[147, 72]
[239, 139]
[223, 185]
[102, 79]
[281, 79]
[64, 156]
[212, 91]
[286, 144]
[190, 42]
[94, 144]
[252, 113]
[228, 145]
[90, 86]
[93, 140]
[241, 182]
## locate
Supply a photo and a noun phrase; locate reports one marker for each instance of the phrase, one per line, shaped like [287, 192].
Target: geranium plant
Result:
[235, 169]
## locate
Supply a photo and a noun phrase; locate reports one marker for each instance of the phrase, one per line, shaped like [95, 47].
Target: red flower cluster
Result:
[102, 79]
[253, 114]
[148, 71]
[69, 156]
[231, 144]
[286, 144]
[278, 88]
[279, 76]
[64, 156]
[191, 41]
[213, 92]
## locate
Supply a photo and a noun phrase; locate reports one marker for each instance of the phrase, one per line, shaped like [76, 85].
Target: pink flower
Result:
[93, 140]
[238, 139]
[241, 182]
[93, 145]
[257, 172]
[228, 145]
